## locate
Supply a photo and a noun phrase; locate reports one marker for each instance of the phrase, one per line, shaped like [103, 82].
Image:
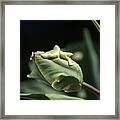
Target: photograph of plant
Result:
[60, 60]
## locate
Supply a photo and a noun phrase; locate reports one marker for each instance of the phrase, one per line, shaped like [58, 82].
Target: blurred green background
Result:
[80, 37]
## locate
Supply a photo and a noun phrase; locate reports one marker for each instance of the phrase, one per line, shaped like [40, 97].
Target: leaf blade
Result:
[61, 97]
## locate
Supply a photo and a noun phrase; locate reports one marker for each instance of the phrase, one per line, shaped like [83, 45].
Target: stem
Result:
[96, 25]
[91, 87]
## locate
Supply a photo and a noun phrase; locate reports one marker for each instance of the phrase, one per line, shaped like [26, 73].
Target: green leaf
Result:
[54, 70]
[66, 83]
[33, 97]
[55, 67]
[25, 94]
[37, 86]
[61, 97]
[41, 90]
[35, 73]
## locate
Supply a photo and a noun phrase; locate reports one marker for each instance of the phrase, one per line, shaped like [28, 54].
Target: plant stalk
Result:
[96, 25]
[91, 87]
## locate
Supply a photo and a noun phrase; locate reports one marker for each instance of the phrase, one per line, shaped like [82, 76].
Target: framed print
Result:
[59, 59]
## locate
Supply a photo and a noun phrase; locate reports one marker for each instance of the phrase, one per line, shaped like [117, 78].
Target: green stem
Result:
[96, 25]
[91, 87]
